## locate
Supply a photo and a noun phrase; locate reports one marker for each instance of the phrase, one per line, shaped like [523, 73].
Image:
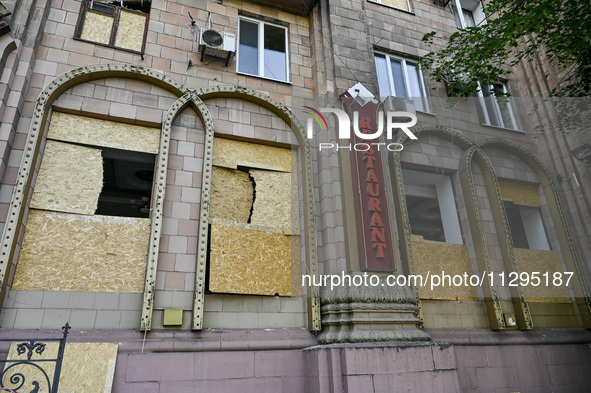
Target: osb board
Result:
[231, 195]
[86, 367]
[273, 204]
[437, 258]
[231, 154]
[249, 261]
[542, 261]
[400, 4]
[97, 27]
[130, 32]
[90, 131]
[69, 252]
[519, 194]
[70, 179]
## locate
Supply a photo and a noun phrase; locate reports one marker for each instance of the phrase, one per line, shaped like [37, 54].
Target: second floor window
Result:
[400, 77]
[496, 106]
[262, 50]
[117, 24]
[468, 13]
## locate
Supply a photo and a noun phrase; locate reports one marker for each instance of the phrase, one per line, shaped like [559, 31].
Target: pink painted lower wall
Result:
[289, 361]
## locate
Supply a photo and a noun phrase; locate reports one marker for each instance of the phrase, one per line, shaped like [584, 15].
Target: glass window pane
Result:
[424, 217]
[414, 89]
[248, 59]
[516, 225]
[468, 18]
[383, 81]
[491, 106]
[398, 76]
[275, 56]
[505, 107]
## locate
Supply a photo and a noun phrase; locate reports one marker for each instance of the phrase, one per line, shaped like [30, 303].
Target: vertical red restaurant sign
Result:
[374, 236]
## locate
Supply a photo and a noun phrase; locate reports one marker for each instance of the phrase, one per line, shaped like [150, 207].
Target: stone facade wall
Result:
[260, 343]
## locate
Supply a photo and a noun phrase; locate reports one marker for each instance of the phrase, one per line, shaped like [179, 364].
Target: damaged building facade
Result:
[167, 181]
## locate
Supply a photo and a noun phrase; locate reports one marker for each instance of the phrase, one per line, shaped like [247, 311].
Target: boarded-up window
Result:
[89, 224]
[254, 220]
[522, 206]
[118, 24]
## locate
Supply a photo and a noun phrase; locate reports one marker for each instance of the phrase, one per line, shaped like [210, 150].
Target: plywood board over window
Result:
[540, 262]
[67, 246]
[130, 31]
[519, 194]
[72, 252]
[86, 368]
[232, 154]
[89, 131]
[254, 221]
[97, 28]
[250, 261]
[433, 257]
[231, 195]
[62, 186]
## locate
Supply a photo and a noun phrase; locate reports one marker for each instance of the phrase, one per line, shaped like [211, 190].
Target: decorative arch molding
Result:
[45, 99]
[472, 153]
[557, 212]
[187, 97]
[492, 301]
[297, 128]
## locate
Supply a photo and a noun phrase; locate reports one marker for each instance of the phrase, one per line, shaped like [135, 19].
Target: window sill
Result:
[427, 113]
[392, 7]
[265, 78]
[502, 128]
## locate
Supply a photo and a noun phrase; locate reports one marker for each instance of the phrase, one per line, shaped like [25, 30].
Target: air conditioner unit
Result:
[399, 104]
[217, 44]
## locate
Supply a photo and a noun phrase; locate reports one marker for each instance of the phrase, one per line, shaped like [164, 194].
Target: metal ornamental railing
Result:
[14, 375]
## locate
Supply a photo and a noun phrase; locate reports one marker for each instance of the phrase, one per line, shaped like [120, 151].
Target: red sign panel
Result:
[376, 250]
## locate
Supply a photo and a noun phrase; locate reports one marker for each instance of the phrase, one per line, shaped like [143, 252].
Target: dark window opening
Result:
[128, 178]
[516, 225]
[425, 217]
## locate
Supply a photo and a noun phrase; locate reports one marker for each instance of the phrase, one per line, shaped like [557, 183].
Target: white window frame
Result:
[408, 96]
[496, 108]
[261, 51]
[473, 6]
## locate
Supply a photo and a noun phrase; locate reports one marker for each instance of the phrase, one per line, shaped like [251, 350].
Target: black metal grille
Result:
[12, 378]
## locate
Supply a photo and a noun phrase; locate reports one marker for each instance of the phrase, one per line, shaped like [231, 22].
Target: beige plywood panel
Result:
[437, 258]
[249, 261]
[70, 179]
[90, 131]
[130, 31]
[231, 154]
[97, 27]
[273, 205]
[86, 367]
[69, 252]
[519, 194]
[542, 261]
[231, 195]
